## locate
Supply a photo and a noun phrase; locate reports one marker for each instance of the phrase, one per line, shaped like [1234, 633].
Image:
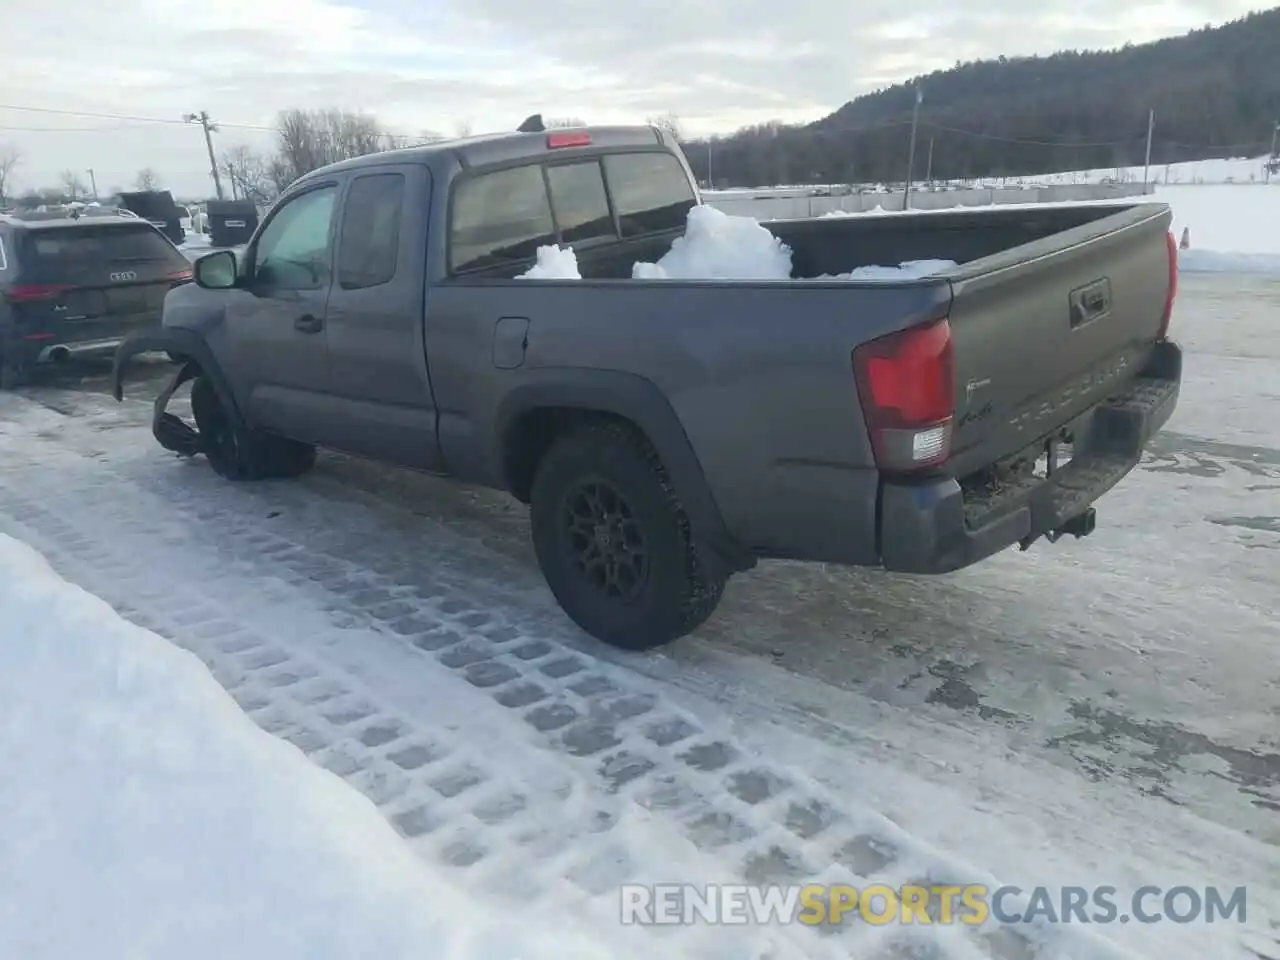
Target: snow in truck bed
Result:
[718, 246]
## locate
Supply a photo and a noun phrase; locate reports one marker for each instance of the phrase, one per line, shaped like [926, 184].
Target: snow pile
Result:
[717, 246]
[554, 263]
[146, 816]
[907, 270]
[1219, 261]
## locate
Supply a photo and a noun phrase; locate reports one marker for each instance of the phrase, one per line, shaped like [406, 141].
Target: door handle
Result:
[308, 324]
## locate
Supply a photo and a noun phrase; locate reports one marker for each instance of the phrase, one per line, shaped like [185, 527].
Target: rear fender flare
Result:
[186, 343]
[642, 402]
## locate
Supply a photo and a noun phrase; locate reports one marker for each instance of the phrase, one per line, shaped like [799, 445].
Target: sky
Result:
[105, 86]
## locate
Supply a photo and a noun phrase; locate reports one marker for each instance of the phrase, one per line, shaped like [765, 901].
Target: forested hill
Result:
[1216, 93]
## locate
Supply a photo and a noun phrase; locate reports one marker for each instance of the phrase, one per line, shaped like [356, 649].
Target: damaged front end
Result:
[171, 431]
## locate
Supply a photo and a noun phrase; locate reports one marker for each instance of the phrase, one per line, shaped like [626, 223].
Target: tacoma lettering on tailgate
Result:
[1069, 395]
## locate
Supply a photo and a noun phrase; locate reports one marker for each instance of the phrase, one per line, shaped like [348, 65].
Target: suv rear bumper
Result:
[59, 340]
[938, 527]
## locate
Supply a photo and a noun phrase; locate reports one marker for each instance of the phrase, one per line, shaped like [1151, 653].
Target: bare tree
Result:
[310, 139]
[561, 123]
[462, 128]
[73, 187]
[147, 179]
[668, 123]
[249, 174]
[10, 157]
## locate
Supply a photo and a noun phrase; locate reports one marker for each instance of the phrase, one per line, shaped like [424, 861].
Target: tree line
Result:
[304, 140]
[1215, 93]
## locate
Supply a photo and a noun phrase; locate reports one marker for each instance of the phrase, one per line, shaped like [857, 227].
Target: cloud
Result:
[430, 65]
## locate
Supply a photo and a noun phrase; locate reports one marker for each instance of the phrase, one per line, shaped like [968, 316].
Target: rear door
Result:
[95, 281]
[1045, 331]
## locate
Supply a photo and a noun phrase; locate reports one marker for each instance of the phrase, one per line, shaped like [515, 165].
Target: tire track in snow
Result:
[329, 628]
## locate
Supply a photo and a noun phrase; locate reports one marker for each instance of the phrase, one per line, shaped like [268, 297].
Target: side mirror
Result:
[217, 271]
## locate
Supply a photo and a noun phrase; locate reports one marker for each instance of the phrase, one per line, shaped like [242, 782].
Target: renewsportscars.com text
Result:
[971, 904]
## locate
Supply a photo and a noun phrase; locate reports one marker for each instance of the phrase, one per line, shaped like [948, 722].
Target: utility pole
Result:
[911, 154]
[209, 127]
[93, 183]
[711, 184]
[1151, 125]
[928, 173]
[1271, 160]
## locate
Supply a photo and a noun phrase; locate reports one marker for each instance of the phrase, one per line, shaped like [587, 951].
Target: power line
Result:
[84, 114]
[122, 126]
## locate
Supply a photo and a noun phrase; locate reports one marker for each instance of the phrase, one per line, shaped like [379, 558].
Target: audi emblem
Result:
[122, 277]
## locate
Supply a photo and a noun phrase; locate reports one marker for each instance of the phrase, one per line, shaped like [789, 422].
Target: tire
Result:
[237, 453]
[665, 596]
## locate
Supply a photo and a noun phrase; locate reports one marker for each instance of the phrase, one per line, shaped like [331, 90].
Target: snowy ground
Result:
[1094, 712]
[153, 818]
[1191, 172]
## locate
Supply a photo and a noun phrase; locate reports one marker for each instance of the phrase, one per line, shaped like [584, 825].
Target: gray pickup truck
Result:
[667, 433]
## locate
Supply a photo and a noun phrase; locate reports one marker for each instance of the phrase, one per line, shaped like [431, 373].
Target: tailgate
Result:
[1045, 331]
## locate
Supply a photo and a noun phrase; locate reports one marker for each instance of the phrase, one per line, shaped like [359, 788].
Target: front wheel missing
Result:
[233, 451]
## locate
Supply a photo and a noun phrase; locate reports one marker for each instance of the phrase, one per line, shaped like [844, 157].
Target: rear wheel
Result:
[238, 453]
[613, 540]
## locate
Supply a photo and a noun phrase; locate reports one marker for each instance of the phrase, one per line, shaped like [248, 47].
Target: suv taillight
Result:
[906, 382]
[32, 292]
[1173, 287]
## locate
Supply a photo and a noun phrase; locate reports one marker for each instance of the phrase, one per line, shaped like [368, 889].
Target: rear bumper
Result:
[938, 527]
[60, 340]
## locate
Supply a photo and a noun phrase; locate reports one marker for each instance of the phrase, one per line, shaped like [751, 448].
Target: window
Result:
[98, 246]
[370, 241]
[499, 218]
[582, 208]
[650, 191]
[295, 249]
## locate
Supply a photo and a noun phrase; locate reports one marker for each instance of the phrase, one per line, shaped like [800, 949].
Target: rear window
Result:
[499, 218]
[581, 206]
[370, 243]
[650, 191]
[78, 246]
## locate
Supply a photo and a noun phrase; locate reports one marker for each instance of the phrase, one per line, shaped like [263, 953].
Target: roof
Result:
[62, 223]
[499, 147]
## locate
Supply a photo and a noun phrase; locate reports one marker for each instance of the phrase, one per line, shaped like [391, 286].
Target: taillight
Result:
[556, 141]
[180, 276]
[32, 292]
[1173, 287]
[906, 382]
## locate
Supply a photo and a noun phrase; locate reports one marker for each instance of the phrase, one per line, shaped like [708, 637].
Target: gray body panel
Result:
[746, 389]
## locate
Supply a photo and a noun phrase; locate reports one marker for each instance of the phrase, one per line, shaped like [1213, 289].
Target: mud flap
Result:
[169, 430]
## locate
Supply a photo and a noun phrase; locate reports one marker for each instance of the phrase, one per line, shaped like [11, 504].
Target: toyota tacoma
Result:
[668, 433]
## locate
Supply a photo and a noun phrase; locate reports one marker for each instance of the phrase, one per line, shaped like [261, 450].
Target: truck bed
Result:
[1032, 360]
